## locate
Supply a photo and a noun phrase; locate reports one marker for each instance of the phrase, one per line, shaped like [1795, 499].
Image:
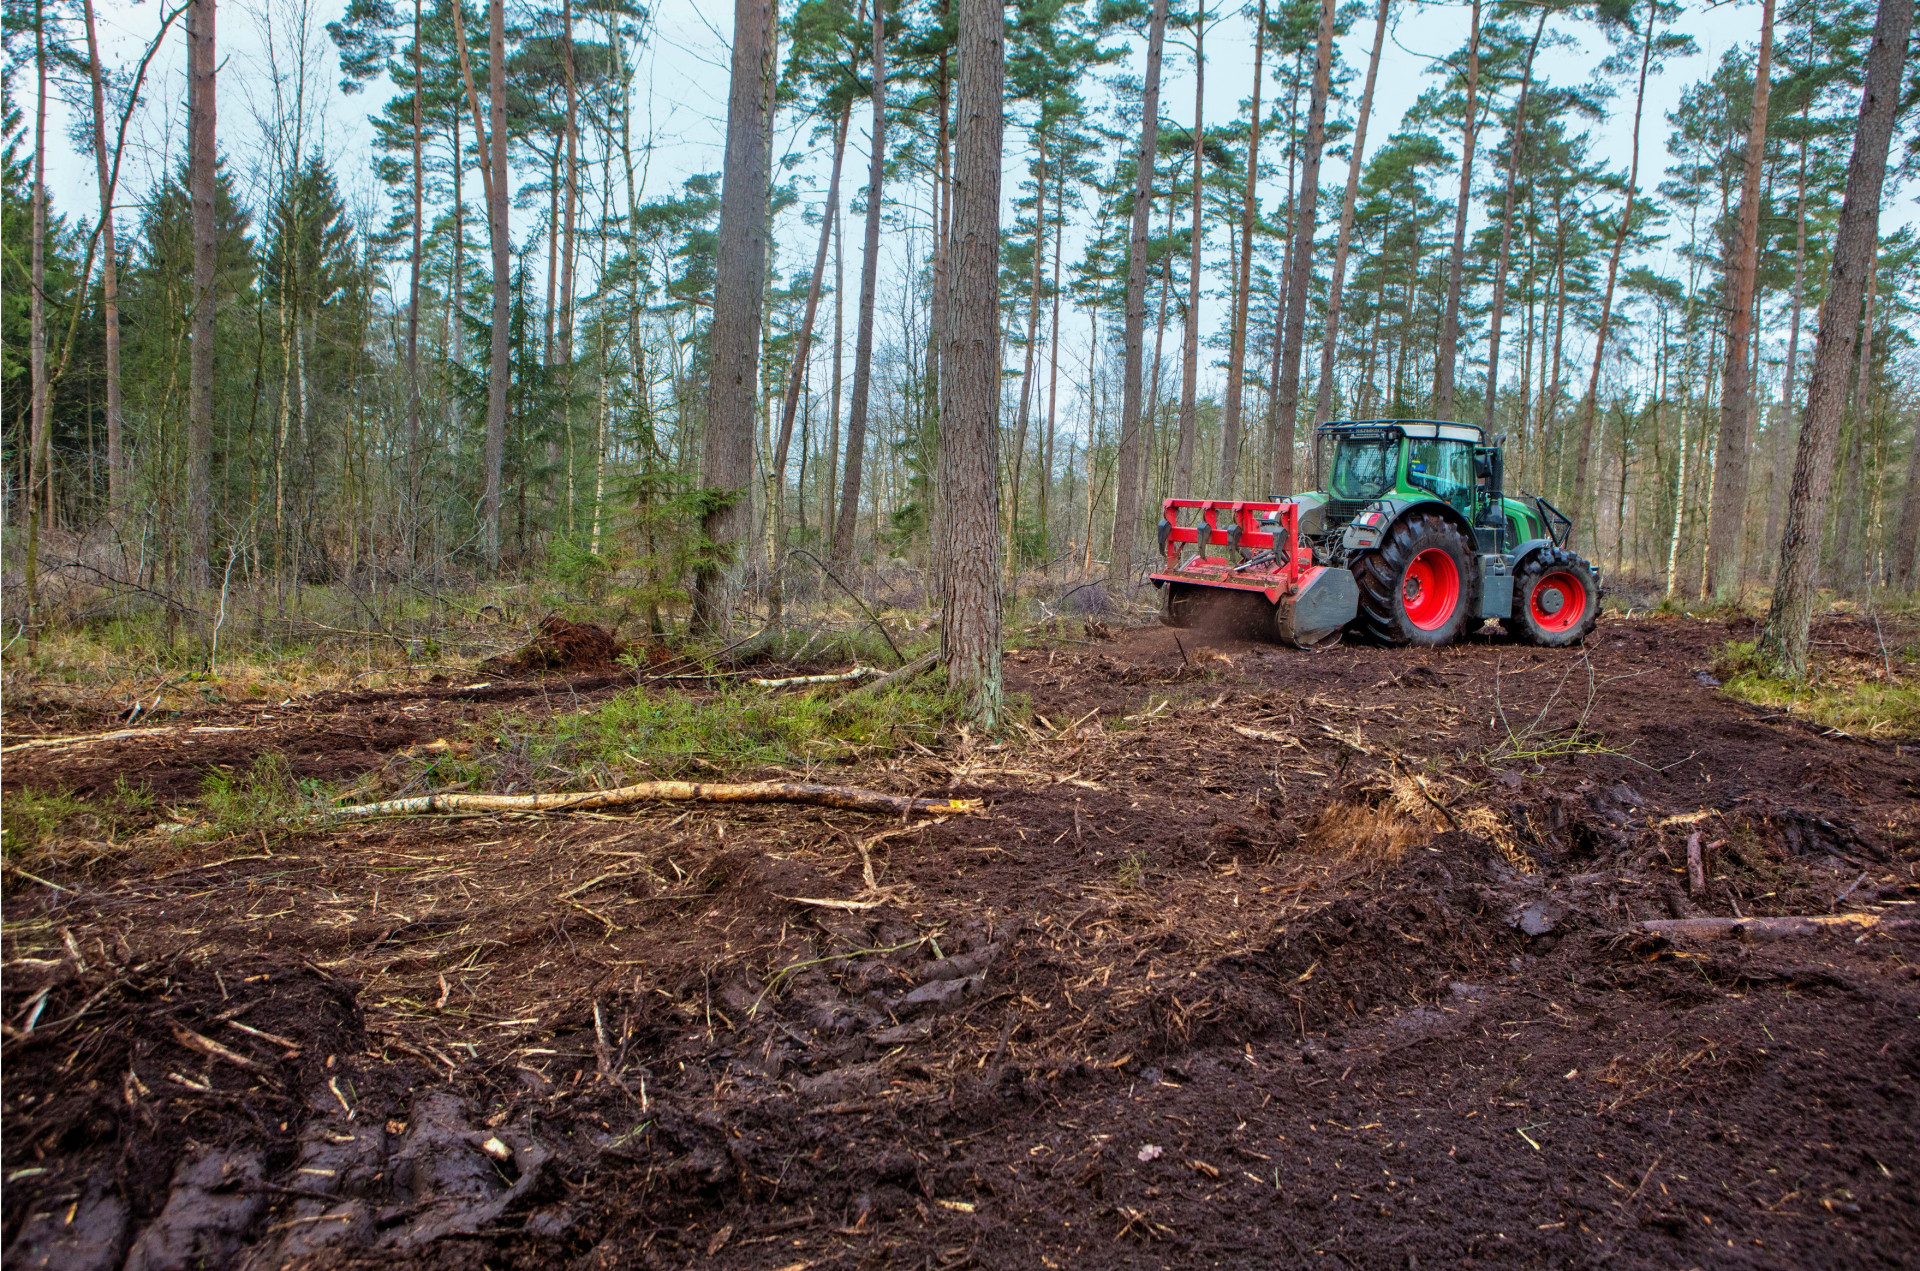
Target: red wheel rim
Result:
[1431, 590]
[1559, 601]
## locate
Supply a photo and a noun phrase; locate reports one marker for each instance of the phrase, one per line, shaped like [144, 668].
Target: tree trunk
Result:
[1053, 372]
[1784, 643]
[970, 403]
[1783, 421]
[201, 158]
[831, 478]
[39, 446]
[1449, 353]
[733, 387]
[937, 301]
[109, 275]
[802, 351]
[500, 231]
[1855, 520]
[1190, 329]
[1300, 271]
[1243, 286]
[1516, 143]
[843, 529]
[1727, 512]
[1127, 476]
[1587, 404]
[1901, 562]
[1329, 344]
[1024, 414]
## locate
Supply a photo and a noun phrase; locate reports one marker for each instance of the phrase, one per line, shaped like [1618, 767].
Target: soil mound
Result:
[561, 646]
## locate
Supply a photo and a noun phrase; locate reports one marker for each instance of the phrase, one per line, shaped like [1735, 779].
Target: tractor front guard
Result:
[1559, 524]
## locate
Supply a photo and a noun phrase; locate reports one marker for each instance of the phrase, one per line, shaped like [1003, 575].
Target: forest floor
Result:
[1251, 957]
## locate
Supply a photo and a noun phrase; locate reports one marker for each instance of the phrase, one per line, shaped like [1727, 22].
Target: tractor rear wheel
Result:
[1555, 601]
[1177, 605]
[1414, 588]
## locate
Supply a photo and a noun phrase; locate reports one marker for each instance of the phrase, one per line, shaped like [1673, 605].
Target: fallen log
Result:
[122, 734]
[850, 798]
[796, 681]
[900, 675]
[1774, 928]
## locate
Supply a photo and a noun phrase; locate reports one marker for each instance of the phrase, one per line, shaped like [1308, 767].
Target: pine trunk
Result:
[1300, 267]
[1516, 143]
[201, 159]
[109, 275]
[797, 378]
[733, 360]
[1449, 354]
[1589, 403]
[1330, 342]
[499, 229]
[970, 404]
[1243, 285]
[844, 528]
[1785, 640]
[39, 447]
[1128, 467]
[1729, 498]
[1190, 328]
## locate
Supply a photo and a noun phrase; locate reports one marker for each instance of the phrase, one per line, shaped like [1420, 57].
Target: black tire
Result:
[1386, 590]
[1177, 605]
[1556, 601]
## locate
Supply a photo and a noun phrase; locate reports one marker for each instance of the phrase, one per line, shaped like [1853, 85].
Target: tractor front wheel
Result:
[1555, 601]
[1414, 588]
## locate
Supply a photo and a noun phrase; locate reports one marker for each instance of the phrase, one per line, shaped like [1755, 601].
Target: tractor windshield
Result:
[1364, 470]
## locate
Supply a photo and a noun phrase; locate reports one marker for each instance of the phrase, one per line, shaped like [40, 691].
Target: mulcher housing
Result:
[1413, 541]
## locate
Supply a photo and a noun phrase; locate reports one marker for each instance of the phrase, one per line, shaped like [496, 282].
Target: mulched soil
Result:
[1362, 984]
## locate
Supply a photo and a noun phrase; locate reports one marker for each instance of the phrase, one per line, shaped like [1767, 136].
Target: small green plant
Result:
[266, 794]
[1133, 871]
[29, 819]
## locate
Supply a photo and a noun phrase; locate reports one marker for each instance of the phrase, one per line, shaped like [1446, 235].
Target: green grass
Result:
[35, 820]
[665, 732]
[262, 798]
[1842, 694]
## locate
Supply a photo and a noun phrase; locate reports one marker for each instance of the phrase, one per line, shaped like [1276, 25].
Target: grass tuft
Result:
[1852, 695]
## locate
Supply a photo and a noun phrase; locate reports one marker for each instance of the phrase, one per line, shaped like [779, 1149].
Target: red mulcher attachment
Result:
[1309, 603]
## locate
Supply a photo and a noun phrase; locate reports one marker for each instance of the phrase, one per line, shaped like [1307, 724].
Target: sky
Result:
[681, 88]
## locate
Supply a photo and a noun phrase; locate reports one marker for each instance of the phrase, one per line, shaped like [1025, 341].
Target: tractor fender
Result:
[1361, 538]
[1527, 549]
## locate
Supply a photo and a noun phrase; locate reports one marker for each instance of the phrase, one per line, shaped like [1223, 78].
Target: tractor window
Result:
[1441, 468]
[1364, 470]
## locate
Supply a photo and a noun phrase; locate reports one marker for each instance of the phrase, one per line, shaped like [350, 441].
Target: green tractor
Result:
[1413, 541]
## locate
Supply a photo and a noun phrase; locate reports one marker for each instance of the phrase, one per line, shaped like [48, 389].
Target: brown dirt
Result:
[1369, 994]
[562, 645]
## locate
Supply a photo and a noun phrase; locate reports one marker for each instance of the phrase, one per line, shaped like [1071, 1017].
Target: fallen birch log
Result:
[122, 734]
[1773, 928]
[850, 798]
[796, 681]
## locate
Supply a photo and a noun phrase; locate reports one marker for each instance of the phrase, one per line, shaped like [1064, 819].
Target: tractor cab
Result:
[1374, 459]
